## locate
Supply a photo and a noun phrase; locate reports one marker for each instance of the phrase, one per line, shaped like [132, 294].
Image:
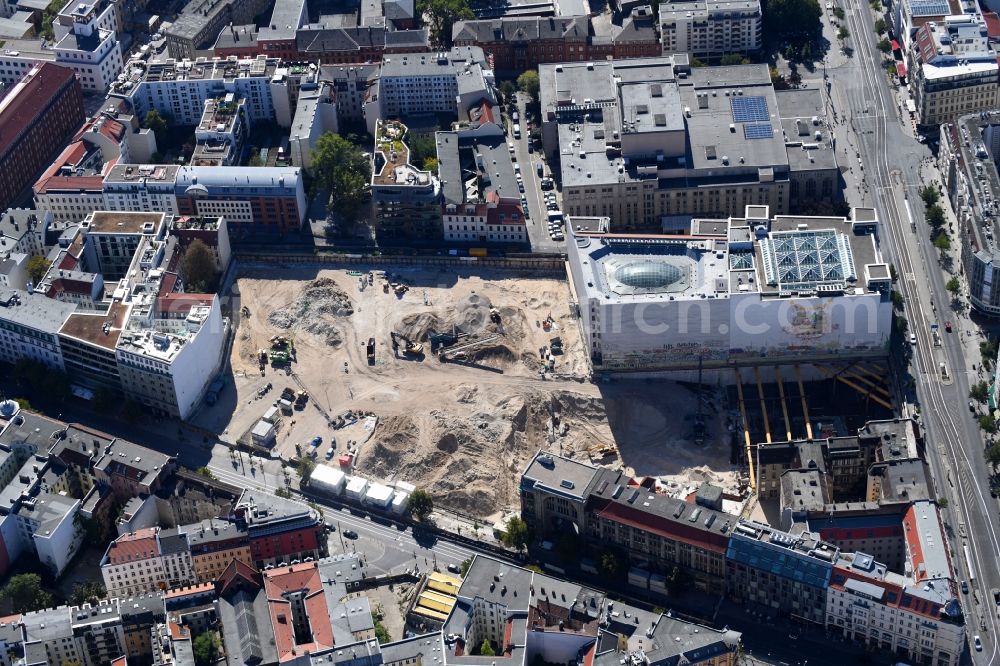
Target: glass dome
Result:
[648, 274]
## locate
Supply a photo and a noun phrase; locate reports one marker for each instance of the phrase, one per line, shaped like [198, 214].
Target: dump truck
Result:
[371, 351]
[300, 399]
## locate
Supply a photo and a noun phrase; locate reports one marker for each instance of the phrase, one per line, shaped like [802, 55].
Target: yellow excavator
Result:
[410, 348]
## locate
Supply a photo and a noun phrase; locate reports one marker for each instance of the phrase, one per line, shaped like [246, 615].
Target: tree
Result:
[880, 28]
[839, 13]
[942, 242]
[441, 16]
[341, 169]
[884, 46]
[283, 492]
[381, 633]
[155, 121]
[516, 533]
[988, 423]
[305, 469]
[793, 18]
[953, 286]
[935, 216]
[529, 84]
[733, 59]
[611, 566]
[942, 502]
[37, 266]
[988, 350]
[206, 472]
[431, 164]
[198, 267]
[422, 148]
[205, 648]
[25, 593]
[901, 325]
[255, 160]
[897, 299]
[929, 195]
[980, 392]
[843, 33]
[993, 456]
[88, 592]
[486, 650]
[508, 91]
[465, 566]
[420, 504]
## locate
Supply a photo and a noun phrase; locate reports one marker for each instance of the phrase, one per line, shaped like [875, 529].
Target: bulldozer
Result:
[410, 348]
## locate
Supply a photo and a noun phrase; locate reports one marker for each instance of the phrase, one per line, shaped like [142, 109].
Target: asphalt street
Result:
[890, 163]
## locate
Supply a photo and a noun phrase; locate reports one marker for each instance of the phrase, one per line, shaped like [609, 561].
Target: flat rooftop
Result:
[102, 330]
[115, 222]
[561, 475]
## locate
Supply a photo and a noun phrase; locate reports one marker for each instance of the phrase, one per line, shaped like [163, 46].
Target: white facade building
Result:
[417, 83]
[87, 43]
[146, 561]
[750, 287]
[710, 28]
[179, 89]
[29, 327]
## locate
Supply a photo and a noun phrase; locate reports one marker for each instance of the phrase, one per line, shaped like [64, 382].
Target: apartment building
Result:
[915, 611]
[29, 327]
[253, 200]
[97, 632]
[36, 117]
[969, 147]
[639, 140]
[87, 43]
[954, 69]
[522, 614]
[200, 23]
[179, 89]
[479, 187]
[419, 83]
[653, 531]
[145, 561]
[778, 571]
[406, 199]
[711, 28]
[280, 530]
[214, 544]
[517, 43]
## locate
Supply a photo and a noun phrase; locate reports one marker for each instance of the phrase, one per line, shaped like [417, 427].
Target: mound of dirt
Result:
[417, 326]
[312, 311]
[470, 463]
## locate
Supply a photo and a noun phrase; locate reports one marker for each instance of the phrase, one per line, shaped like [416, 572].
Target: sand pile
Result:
[312, 312]
[470, 462]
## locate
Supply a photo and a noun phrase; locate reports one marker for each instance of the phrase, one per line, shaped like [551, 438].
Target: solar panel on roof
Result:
[749, 109]
[758, 131]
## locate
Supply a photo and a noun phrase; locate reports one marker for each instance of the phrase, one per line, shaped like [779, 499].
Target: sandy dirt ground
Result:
[463, 431]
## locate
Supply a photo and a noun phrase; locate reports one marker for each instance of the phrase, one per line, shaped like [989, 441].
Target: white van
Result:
[517, 131]
[555, 216]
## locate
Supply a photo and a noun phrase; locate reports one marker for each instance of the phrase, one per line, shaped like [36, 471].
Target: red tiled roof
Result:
[69, 285]
[167, 284]
[133, 547]
[72, 183]
[506, 213]
[298, 578]
[178, 592]
[111, 128]
[25, 100]
[992, 24]
[919, 606]
[182, 303]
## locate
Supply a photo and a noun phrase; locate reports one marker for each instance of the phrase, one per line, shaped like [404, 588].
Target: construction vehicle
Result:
[288, 393]
[494, 315]
[556, 345]
[300, 399]
[410, 347]
[400, 289]
[371, 351]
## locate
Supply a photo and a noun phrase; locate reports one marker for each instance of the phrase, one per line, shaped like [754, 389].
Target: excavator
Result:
[410, 347]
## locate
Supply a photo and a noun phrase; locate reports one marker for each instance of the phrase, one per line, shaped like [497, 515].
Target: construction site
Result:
[450, 382]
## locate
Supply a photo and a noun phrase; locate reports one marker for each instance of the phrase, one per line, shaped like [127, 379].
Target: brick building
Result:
[37, 116]
[515, 44]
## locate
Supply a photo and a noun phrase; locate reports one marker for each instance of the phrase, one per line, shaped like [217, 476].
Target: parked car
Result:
[965, 587]
[317, 440]
[947, 326]
[350, 534]
[454, 568]
[978, 643]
